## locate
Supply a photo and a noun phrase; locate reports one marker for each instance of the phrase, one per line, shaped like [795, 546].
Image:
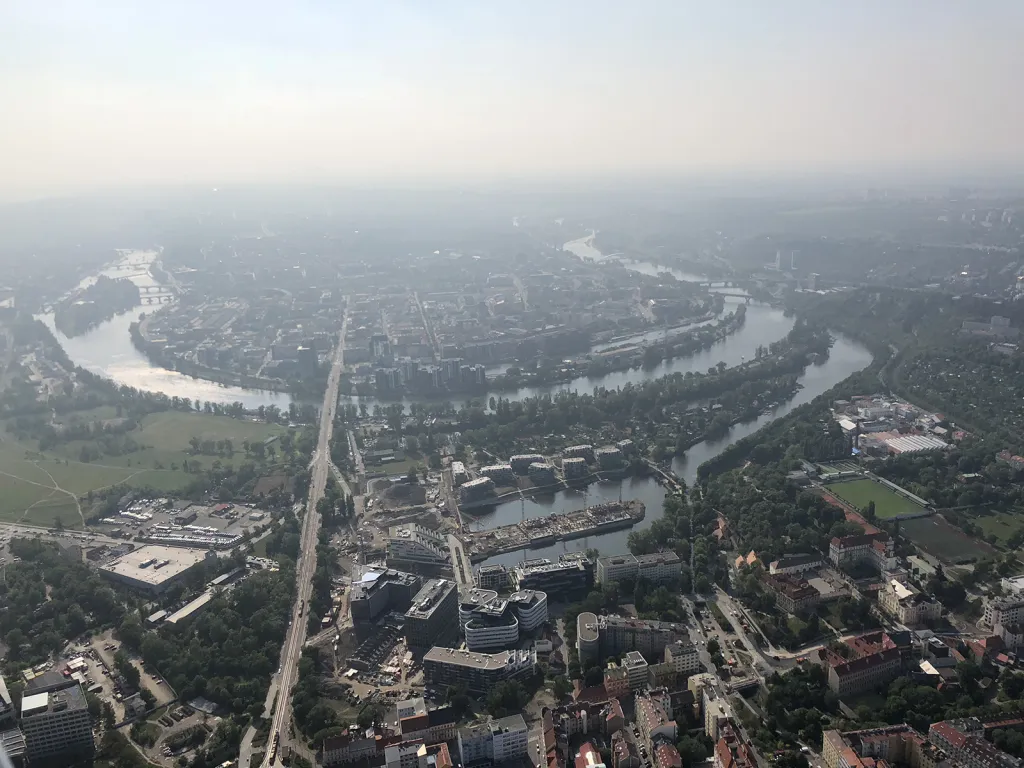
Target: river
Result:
[763, 325]
[108, 350]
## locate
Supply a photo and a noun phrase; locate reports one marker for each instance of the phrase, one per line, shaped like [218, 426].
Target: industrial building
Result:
[479, 672]
[656, 568]
[56, 724]
[433, 616]
[415, 544]
[378, 591]
[152, 569]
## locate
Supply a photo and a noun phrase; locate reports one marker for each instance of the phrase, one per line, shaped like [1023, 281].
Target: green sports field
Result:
[887, 503]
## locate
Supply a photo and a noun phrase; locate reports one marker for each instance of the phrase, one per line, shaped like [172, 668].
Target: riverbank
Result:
[154, 353]
[543, 532]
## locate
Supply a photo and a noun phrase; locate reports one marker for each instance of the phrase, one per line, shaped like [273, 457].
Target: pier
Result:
[543, 531]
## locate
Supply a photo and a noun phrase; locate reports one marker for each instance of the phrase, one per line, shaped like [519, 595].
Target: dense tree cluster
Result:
[228, 652]
[49, 597]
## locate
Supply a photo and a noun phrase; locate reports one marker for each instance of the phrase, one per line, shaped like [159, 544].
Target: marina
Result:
[540, 532]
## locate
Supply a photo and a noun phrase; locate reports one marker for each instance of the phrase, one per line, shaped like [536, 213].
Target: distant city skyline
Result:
[117, 93]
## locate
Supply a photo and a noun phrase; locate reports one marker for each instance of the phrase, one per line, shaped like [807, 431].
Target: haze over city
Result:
[112, 93]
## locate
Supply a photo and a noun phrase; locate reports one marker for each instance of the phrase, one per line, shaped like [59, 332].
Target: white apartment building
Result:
[683, 657]
[1006, 611]
[636, 670]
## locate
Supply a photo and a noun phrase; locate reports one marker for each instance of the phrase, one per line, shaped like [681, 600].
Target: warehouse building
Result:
[152, 569]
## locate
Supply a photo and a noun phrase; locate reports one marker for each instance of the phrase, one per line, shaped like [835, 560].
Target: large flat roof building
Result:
[154, 568]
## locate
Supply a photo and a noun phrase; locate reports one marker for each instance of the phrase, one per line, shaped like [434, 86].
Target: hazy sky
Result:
[103, 93]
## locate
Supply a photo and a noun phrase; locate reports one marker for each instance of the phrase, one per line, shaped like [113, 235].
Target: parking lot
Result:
[98, 653]
[155, 516]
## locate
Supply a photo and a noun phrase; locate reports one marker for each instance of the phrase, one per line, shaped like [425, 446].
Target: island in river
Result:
[87, 307]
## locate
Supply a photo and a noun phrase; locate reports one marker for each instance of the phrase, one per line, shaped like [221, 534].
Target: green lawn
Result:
[887, 503]
[40, 488]
[1000, 524]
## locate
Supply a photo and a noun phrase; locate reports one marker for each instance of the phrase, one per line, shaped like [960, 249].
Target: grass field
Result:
[940, 539]
[1002, 525]
[40, 488]
[887, 503]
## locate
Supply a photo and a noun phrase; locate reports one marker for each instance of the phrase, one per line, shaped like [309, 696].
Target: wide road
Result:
[306, 566]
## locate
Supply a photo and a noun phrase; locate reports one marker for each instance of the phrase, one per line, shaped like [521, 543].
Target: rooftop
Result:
[482, 661]
[154, 564]
[429, 597]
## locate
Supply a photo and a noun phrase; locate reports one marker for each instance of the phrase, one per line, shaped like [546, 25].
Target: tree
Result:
[869, 512]
[713, 646]
[561, 687]
[457, 699]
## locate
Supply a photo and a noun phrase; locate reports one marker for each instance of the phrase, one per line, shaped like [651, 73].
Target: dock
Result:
[545, 531]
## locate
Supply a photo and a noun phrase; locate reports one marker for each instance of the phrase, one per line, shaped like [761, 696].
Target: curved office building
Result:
[492, 632]
[588, 638]
[531, 607]
[472, 601]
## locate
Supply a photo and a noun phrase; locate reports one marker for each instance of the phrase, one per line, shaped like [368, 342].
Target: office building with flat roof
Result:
[479, 672]
[656, 568]
[56, 724]
[619, 635]
[433, 616]
[568, 576]
[152, 568]
[380, 590]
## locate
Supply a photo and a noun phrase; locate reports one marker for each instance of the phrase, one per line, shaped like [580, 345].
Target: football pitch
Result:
[888, 503]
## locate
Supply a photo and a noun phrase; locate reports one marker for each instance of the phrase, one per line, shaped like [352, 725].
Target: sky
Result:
[102, 93]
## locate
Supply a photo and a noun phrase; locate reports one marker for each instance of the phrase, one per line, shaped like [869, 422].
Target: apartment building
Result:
[848, 677]
[415, 544]
[349, 747]
[907, 604]
[657, 568]
[479, 672]
[1006, 611]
